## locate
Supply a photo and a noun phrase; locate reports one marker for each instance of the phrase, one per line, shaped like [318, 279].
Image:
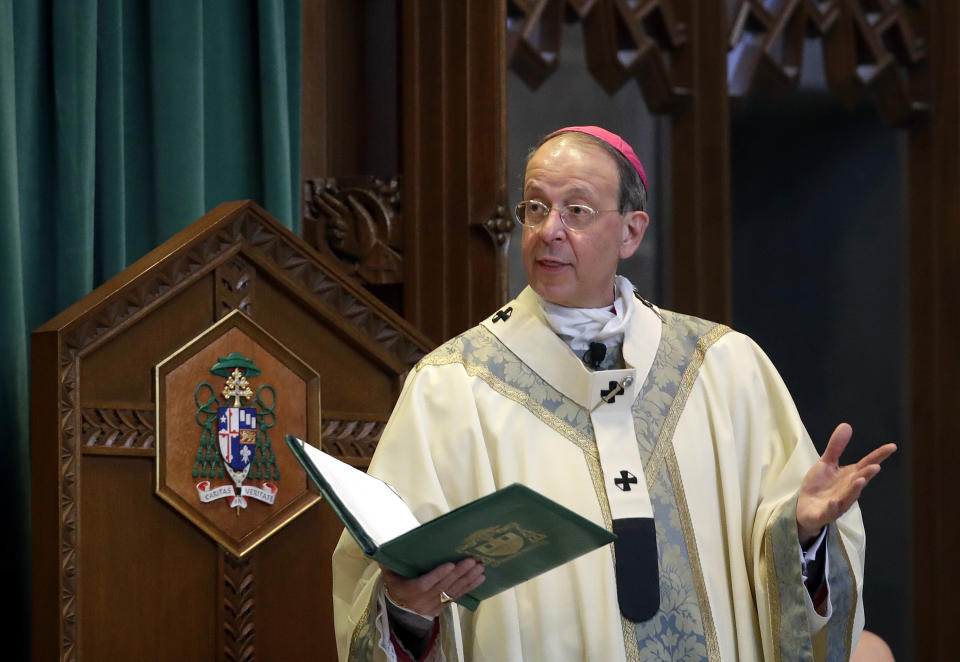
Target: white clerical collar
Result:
[578, 327]
[522, 327]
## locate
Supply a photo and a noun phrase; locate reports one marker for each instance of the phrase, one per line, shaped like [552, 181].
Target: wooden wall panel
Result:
[141, 563]
[700, 160]
[454, 162]
[307, 547]
[332, 97]
[934, 212]
[156, 333]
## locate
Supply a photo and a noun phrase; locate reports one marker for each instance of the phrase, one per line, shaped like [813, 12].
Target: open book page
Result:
[379, 510]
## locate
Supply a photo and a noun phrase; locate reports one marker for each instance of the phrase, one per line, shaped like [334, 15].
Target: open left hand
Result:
[828, 490]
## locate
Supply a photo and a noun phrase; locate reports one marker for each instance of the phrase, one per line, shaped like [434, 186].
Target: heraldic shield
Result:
[220, 398]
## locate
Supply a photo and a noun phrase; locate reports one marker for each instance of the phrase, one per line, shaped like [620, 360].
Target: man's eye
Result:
[579, 210]
[536, 207]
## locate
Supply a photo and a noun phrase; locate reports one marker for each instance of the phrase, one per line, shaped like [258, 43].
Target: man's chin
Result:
[558, 295]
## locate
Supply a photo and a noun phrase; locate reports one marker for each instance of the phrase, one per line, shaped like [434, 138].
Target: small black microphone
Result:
[593, 356]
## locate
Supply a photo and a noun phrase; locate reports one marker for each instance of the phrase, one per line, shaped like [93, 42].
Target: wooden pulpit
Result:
[170, 520]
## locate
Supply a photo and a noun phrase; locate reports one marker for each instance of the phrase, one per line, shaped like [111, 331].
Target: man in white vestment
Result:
[736, 541]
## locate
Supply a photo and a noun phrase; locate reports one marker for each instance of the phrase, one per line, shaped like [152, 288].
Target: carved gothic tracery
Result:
[358, 222]
[624, 40]
[868, 45]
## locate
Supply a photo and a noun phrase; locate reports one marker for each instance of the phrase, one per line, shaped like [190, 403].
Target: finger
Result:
[856, 489]
[435, 577]
[850, 495]
[868, 472]
[837, 444]
[877, 455]
[466, 582]
[463, 589]
[464, 568]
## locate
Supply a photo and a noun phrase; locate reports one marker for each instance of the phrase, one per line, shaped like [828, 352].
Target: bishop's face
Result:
[571, 268]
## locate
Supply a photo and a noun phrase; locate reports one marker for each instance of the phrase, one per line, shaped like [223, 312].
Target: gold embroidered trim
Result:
[364, 620]
[706, 614]
[663, 452]
[665, 438]
[853, 583]
[586, 444]
[773, 590]
[631, 648]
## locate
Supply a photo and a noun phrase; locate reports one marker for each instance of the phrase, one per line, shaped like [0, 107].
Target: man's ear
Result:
[634, 225]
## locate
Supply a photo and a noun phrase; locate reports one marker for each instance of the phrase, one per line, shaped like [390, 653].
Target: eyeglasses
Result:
[531, 213]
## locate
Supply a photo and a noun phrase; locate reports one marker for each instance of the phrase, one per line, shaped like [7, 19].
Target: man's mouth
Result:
[551, 263]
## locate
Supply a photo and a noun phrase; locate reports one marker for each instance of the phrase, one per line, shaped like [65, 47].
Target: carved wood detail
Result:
[234, 283]
[249, 234]
[351, 439]
[499, 226]
[238, 608]
[454, 147]
[359, 223]
[69, 506]
[120, 429]
[869, 46]
[624, 40]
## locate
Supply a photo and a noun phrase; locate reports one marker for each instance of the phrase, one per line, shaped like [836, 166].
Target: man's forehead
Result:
[573, 142]
[570, 188]
[576, 165]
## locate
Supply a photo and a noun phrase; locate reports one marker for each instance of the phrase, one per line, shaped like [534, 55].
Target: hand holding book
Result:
[513, 534]
[424, 594]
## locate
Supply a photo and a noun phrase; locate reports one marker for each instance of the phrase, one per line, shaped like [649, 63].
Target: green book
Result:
[515, 532]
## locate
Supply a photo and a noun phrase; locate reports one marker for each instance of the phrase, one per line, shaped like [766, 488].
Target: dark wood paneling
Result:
[141, 562]
[701, 166]
[454, 162]
[934, 210]
[332, 98]
[285, 566]
[112, 372]
[350, 380]
[45, 511]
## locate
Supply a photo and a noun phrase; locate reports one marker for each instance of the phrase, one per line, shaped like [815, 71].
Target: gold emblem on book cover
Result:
[499, 544]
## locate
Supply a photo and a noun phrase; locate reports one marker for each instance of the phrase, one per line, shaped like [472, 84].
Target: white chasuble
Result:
[696, 423]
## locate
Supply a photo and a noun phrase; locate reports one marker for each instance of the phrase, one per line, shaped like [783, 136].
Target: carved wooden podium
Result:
[170, 521]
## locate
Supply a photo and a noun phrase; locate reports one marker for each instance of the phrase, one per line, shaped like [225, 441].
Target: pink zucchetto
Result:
[614, 141]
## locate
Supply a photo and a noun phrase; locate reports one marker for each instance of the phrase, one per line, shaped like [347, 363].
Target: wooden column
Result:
[934, 212]
[456, 225]
[332, 100]
[701, 165]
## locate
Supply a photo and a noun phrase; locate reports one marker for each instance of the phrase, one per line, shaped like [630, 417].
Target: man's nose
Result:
[552, 226]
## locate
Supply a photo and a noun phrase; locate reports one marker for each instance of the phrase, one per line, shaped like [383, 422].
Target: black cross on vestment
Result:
[503, 314]
[624, 481]
[613, 388]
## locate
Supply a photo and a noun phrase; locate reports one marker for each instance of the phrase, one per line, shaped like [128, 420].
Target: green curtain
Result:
[121, 122]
